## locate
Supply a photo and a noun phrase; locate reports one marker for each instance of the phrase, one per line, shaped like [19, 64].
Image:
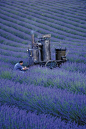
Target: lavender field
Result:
[43, 98]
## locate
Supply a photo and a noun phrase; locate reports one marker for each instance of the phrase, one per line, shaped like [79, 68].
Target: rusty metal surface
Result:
[60, 53]
[45, 50]
[33, 54]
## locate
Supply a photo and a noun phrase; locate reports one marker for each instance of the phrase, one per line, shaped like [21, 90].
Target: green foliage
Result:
[6, 75]
[24, 42]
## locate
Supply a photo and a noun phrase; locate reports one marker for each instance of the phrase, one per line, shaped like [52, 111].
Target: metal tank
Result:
[60, 54]
[33, 55]
[45, 47]
[33, 52]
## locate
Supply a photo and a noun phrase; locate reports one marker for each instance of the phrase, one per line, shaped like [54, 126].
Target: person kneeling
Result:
[19, 67]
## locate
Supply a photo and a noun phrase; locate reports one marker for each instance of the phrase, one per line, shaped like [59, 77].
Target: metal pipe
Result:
[33, 40]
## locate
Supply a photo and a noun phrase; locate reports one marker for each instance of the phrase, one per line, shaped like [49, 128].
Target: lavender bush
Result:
[57, 78]
[12, 118]
[56, 102]
[55, 26]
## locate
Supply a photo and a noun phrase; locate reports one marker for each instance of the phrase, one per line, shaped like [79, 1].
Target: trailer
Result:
[39, 53]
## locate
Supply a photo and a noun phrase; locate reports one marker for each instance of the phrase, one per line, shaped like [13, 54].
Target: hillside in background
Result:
[42, 98]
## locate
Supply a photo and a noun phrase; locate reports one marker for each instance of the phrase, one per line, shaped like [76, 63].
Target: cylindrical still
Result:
[35, 53]
[45, 51]
[30, 56]
[33, 56]
[60, 53]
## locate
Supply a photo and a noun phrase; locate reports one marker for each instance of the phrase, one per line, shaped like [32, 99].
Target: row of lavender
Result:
[63, 29]
[18, 10]
[51, 6]
[73, 56]
[55, 102]
[42, 19]
[21, 35]
[13, 118]
[56, 32]
[57, 78]
[42, 22]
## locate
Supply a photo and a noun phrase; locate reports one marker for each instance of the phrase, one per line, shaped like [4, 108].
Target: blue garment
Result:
[18, 67]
